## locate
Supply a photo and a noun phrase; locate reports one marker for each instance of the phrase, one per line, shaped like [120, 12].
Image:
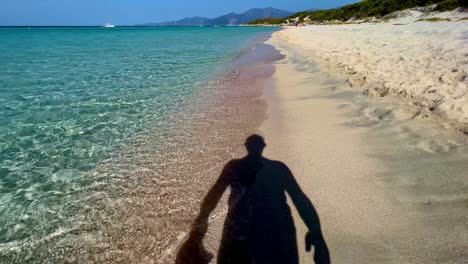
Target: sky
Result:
[129, 12]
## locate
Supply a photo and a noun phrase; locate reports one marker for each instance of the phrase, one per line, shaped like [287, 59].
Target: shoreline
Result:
[377, 180]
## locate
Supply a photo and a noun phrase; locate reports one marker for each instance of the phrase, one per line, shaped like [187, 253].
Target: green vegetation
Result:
[448, 5]
[367, 8]
[267, 21]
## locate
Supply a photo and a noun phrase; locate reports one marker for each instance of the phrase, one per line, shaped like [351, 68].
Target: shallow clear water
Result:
[70, 97]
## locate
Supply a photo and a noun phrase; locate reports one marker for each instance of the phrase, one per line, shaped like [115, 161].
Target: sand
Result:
[423, 63]
[389, 185]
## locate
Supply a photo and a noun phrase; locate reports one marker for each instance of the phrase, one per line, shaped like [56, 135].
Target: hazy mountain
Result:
[188, 21]
[229, 19]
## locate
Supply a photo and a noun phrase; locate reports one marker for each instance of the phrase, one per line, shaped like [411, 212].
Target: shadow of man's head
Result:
[255, 145]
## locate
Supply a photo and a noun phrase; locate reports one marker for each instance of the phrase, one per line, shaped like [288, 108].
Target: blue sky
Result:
[128, 12]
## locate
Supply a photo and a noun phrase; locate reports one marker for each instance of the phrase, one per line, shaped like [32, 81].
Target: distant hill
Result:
[188, 21]
[228, 19]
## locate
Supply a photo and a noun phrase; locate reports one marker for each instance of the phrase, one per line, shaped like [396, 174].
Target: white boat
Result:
[109, 25]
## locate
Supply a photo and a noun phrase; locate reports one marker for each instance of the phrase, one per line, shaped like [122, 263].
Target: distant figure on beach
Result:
[259, 228]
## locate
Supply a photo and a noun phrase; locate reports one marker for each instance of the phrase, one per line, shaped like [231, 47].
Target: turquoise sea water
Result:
[70, 97]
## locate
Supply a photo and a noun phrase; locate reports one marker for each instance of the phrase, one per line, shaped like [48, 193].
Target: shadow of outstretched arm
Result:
[310, 217]
[192, 250]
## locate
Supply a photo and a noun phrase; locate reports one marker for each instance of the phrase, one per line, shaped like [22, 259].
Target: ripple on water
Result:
[71, 108]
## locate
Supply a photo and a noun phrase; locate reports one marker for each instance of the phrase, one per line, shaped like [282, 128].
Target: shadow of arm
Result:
[310, 217]
[303, 204]
[212, 198]
[192, 250]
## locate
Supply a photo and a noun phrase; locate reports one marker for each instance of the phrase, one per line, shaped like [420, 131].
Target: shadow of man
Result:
[259, 227]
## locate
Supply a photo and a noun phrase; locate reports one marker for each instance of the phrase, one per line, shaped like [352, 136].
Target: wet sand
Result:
[164, 188]
[388, 189]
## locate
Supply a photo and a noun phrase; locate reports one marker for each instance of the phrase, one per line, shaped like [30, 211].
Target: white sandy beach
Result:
[389, 184]
[426, 63]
